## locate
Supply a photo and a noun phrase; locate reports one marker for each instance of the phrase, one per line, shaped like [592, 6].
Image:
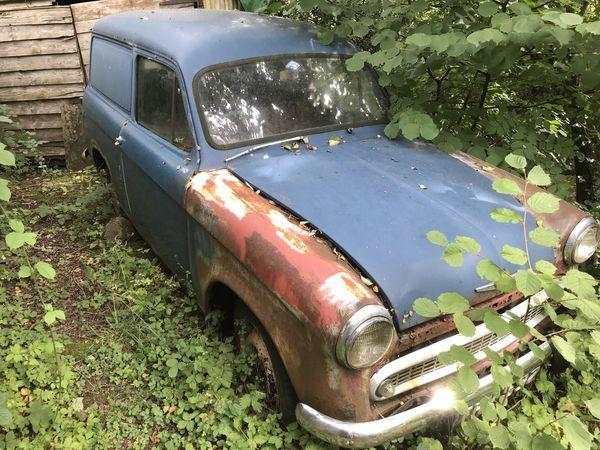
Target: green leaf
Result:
[411, 131]
[453, 255]
[520, 8]
[452, 303]
[307, 5]
[357, 61]
[516, 161]
[496, 324]
[545, 267]
[429, 131]
[6, 158]
[542, 202]
[593, 405]
[487, 9]
[545, 237]
[172, 373]
[537, 351]
[29, 238]
[24, 272]
[16, 225]
[426, 307]
[581, 283]
[464, 325]
[506, 186]
[499, 437]
[505, 283]
[545, 442]
[14, 240]
[467, 379]
[325, 36]
[505, 215]
[538, 177]
[419, 40]
[514, 255]
[467, 244]
[486, 35]
[570, 19]
[4, 190]
[437, 238]
[487, 269]
[576, 432]
[501, 376]
[565, 349]
[40, 416]
[518, 329]
[45, 270]
[590, 27]
[457, 353]
[528, 282]
[53, 315]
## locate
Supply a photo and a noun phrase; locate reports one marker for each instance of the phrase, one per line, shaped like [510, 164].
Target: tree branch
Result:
[482, 97]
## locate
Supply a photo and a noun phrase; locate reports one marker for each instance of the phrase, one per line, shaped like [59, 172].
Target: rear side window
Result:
[111, 66]
[159, 103]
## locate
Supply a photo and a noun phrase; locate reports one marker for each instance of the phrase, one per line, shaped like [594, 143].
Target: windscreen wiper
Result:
[266, 144]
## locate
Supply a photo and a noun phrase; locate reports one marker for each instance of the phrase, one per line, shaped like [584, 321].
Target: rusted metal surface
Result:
[293, 282]
[438, 327]
[562, 221]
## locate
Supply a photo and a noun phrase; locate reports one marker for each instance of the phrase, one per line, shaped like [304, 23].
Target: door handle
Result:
[118, 141]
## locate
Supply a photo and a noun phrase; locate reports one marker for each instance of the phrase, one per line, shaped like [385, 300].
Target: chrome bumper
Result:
[377, 432]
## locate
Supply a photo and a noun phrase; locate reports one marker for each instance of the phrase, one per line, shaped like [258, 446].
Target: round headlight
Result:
[366, 337]
[582, 242]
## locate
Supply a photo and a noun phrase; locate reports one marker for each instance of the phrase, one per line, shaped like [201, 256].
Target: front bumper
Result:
[377, 432]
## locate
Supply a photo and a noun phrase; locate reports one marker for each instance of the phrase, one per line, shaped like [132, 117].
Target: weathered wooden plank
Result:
[8, 5]
[222, 4]
[37, 107]
[85, 42]
[41, 77]
[101, 8]
[27, 32]
[36, 122]
[38, 47]
[15, 94]
[36, 16]
[49, 135]
[52, 150]
[85, 26]
[39, 62]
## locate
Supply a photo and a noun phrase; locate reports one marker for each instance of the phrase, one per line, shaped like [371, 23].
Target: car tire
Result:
[275, 380]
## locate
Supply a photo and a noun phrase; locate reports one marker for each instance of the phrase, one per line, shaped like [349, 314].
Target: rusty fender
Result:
[293, 282]
[562, 221]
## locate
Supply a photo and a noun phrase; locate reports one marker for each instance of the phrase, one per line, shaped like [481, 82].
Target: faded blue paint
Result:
[199, 38]
[376, 199]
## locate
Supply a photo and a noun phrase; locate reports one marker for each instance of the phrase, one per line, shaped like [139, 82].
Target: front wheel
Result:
[270, 372]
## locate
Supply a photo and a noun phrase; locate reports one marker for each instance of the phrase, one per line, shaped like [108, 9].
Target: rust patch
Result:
[562, 221]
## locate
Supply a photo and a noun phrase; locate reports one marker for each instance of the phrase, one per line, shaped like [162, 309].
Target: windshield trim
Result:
[276, 137]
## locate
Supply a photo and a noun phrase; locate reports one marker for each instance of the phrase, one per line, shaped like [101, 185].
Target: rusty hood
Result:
[376, 199]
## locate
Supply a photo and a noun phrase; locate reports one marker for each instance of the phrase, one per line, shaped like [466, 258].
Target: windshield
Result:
[268, 99]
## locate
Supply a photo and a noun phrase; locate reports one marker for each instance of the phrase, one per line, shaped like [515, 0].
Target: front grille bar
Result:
[422, 366]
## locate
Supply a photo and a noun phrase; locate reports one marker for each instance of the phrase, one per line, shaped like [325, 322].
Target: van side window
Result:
[159, 103]
[111, 67]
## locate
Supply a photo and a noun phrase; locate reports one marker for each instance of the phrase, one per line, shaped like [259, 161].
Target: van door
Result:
[157, 162]
[107, 105]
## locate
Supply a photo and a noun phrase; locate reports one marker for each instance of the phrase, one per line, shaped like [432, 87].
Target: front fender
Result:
[292, 280]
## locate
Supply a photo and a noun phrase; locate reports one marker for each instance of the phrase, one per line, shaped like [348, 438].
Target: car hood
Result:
[376, 199]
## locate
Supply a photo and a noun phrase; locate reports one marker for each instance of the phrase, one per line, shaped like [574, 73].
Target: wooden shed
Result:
[44, 58]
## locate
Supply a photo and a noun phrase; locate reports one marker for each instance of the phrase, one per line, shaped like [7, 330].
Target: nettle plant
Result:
[19, 244]
[572, 305]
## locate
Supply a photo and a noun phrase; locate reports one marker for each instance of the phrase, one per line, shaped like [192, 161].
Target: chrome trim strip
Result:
[377, 432]
[431, 351]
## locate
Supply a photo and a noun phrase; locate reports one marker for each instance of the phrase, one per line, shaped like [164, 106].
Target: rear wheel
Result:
[270, 372]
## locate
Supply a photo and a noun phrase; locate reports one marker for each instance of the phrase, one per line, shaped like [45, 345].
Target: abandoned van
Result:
[255, 164]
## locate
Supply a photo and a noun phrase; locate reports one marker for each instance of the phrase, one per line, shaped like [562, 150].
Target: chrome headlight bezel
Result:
[585, 226]
[358, 323]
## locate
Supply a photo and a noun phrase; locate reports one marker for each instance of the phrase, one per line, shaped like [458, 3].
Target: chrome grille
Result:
[422, 366]
[432, 364]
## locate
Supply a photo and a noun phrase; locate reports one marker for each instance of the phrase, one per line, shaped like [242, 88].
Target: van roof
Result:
[198, 38]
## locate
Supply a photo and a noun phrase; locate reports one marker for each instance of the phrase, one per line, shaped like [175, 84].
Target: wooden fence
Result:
[44, 58]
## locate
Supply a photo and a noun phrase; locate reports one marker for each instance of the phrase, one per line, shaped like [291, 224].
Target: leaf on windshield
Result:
[334, 140]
